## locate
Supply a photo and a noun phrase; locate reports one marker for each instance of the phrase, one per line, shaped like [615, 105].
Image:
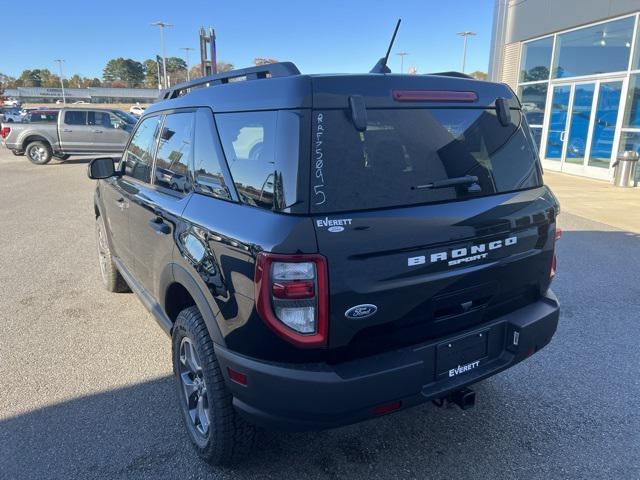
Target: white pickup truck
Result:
[82, 131]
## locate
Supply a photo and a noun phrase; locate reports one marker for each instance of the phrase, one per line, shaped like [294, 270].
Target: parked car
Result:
[77, 131]
[80, 102]
[137, 110]
[341, 246]
[11, 115]
[11, 102]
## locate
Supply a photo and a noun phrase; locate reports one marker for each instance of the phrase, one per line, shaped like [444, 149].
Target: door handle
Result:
[563, 135]
[67, 130]
[97, 131]
[159, 226]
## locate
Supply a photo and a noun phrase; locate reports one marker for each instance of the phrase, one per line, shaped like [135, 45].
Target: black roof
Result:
[282, 86]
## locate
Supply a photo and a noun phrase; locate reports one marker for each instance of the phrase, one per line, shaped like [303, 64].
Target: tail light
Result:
[4, 133]
[292, 297]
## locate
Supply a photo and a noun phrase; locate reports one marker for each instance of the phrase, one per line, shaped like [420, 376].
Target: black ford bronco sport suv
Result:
[326, 249]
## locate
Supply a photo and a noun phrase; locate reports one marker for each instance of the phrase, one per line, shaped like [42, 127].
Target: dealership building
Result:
[90, 94]
[576, 67]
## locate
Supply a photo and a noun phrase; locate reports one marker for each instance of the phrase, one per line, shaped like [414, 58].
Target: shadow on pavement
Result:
[76, 160]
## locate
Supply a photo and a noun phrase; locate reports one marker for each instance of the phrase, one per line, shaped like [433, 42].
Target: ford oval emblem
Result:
[361, 311]
[336, 229]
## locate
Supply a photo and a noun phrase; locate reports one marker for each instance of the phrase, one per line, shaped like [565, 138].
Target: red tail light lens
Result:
[294, 290]
[387, 407]
[558, 234]
[237, 376]
[434, 96]
[554, 261]
[292, 297]
[4, 133]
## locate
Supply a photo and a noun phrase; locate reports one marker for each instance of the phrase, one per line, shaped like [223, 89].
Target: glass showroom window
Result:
[533, 98]
[598, 49]
[534, 82]
[631, 117]
[536, 60]
[635, 62]
[630, 135]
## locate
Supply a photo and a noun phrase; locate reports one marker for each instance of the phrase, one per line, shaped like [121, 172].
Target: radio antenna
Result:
[381, 66]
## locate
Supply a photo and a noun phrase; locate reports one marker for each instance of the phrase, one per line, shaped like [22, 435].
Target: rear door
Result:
[156, 206]
[76, 135]
[108, 136]
[432, 260]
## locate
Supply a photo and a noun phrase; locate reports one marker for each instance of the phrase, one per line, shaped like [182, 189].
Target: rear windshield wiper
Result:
[470, 180]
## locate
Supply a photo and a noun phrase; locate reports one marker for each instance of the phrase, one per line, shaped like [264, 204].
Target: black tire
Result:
[62, 157]
[109, 273]
[228, 437]
[39, 153]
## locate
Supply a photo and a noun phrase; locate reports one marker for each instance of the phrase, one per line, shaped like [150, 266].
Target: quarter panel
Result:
[217, 243]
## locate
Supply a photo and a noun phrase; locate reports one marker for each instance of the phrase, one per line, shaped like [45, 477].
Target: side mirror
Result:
[100, 168]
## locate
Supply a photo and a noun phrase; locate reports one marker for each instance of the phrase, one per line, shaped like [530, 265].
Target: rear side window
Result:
[407, 148]
[208, 174]
[262, 150]
[248, 140]
[139, 155]
[42, 117]
[75, 118]
[175, 150]
[101, 119]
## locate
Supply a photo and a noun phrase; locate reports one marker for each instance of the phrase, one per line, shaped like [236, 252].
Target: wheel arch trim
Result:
[182, 277]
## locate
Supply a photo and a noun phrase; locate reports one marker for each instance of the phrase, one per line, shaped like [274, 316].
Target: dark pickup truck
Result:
[74, 131]
[327, 249]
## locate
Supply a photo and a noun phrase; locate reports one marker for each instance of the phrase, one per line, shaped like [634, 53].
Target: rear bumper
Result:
[319, 396]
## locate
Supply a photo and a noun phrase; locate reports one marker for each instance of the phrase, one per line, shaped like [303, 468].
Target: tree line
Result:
[118, 72]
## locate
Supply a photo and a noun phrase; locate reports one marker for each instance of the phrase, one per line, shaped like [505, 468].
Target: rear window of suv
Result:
[406, 148]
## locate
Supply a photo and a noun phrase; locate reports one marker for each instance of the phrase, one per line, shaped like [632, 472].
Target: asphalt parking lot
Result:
[86, 388]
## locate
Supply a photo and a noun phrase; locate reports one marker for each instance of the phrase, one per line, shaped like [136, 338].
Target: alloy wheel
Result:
[37, 154]
[194, 388]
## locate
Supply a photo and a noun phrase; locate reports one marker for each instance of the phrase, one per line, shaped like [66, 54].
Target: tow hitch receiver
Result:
[465, 398]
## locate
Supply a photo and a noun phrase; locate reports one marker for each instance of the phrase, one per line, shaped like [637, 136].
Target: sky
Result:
[326, 36]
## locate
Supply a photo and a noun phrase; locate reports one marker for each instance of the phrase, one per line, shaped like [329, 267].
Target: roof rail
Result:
[452, 74]
[269, 70]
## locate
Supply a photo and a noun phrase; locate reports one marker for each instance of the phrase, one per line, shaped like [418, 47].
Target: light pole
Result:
[186, 52]
[162, 25]
[464, 51]
[402, 55]
[60, 62]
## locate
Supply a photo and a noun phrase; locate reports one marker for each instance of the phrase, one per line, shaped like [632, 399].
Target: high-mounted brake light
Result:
[434, 96]
[4, 133]
[292, 297]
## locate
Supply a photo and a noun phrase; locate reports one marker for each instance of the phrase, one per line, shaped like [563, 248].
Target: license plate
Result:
[461, 355]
